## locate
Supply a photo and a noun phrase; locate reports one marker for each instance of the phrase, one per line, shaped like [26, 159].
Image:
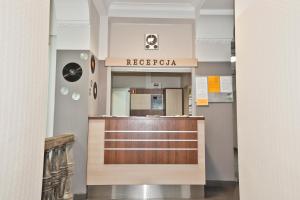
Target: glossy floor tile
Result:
[216, 192]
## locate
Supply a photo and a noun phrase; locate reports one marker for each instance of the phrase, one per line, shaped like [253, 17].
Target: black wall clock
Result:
[95, 90]
[72, 72]
[93, 64]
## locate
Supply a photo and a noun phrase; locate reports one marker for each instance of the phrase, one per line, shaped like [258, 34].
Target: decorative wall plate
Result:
[151, 42]
[75, 96]
[95, 90]
[93, 64]
[72, 72]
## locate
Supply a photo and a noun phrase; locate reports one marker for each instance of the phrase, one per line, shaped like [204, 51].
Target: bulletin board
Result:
[213, 89]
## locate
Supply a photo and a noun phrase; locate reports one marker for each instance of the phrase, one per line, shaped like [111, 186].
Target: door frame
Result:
[109, 71]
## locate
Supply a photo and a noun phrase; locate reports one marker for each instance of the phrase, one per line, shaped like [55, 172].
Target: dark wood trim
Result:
[146, 112]
[146, 91]
[151, 157]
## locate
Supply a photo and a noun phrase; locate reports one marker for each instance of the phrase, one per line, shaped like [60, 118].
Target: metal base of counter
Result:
[146, 192]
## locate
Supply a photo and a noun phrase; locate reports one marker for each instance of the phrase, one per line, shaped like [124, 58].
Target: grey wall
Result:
[220, 129]
[72, 116]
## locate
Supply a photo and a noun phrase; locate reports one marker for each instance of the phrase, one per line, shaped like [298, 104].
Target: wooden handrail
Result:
[56, 141]
[58, 168]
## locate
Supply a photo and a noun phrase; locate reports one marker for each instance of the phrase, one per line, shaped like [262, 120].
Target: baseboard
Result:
[80, 196]
[220, 183]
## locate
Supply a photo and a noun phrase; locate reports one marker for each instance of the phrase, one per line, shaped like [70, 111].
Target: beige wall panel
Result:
[24, 75]
[175, 40]
[140, 101]
[268, 96]
[173, 102]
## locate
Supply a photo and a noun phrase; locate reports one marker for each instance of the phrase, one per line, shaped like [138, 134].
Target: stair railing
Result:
[58, 168]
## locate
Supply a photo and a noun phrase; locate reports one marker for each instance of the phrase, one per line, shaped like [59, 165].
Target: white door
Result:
[174, 102]
[120, 102]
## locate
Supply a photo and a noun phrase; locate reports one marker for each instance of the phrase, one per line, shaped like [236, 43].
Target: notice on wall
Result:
[214, 84]
[225, 94]
[226, 84]
[202, 91]
[213, 89]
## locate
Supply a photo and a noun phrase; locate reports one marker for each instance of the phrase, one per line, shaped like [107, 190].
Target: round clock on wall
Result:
[72, 72]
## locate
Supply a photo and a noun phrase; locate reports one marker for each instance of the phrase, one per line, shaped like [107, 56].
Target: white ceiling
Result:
[77, 10]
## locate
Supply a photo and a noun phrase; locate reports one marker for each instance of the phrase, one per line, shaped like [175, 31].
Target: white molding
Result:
[140, 69]
[72, 22]
[131, 131]
[216, 12]
[108, 91]
[101, 6]
[150, 149]
[103, 38]
[148, 140]
[153, 10]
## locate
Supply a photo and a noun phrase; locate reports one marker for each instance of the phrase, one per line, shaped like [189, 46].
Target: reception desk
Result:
[146, 150]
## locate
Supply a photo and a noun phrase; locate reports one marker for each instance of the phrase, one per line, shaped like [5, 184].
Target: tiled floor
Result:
[228, 192]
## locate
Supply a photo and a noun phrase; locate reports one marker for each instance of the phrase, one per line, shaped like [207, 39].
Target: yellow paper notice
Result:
[213, 84]
[202, 102]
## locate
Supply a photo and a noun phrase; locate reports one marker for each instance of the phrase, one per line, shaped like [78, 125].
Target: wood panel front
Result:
[151, 157]
[150, 141]
[99, 173]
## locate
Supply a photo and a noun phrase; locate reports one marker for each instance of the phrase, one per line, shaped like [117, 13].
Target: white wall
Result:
[94, 28]
[73, 36]
[214, 35]
[268, 96]
[176, 40]
[23, 104]
[73, 27]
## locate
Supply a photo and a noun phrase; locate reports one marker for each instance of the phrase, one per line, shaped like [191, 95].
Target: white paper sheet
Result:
[201, 87]
[226, 84]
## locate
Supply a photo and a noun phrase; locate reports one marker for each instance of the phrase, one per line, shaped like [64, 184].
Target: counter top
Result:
[149, 117]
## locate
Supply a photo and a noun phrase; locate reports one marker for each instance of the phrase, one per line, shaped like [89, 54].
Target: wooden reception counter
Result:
[146, 150]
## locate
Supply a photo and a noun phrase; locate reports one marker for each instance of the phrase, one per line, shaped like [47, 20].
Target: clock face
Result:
[72, 72]
[151, 41]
